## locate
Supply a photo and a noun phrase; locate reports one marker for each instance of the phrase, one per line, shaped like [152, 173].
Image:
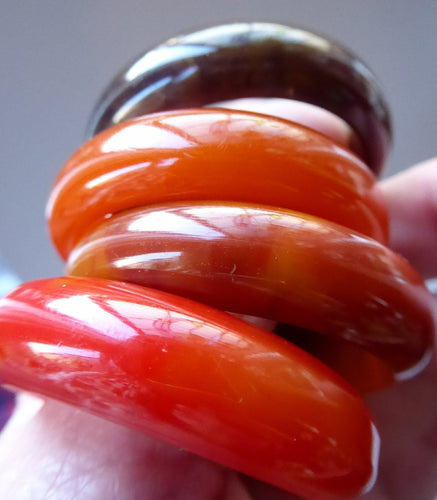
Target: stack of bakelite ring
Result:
[174, 212]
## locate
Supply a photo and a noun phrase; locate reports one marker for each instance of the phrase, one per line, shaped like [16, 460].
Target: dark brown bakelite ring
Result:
[251, 60]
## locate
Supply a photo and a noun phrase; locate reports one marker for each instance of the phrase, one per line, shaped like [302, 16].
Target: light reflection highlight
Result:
[48, 350]
[155, 257]
[165, 323]
[109, 176]
[129, 106]
[166, 55]
[140, 136]
[84, 310]
[173, 223]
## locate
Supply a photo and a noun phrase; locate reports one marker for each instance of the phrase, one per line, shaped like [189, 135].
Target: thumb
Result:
[412, 202]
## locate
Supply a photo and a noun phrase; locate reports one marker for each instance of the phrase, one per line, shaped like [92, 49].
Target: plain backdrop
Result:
[57, 56]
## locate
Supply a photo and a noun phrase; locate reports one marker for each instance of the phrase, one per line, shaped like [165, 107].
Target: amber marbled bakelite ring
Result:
[168, 217]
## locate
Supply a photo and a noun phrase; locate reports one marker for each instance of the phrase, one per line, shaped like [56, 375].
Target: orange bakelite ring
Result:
[193, 376]
[273, 263]
[208, 154]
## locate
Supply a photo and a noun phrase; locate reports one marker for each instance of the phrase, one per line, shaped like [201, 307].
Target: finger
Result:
[408, 458]
[306, 114]
[412, 203]
[65, 453]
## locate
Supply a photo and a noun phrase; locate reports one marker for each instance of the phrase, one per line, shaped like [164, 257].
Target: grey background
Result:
[56, 57]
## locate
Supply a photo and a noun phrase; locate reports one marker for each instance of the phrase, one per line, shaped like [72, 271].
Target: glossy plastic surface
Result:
[187, 201]
[251, 60]
[271, 263]
[192, 376]
[212, 155]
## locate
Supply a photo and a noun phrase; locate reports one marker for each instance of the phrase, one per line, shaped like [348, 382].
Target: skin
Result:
[64, 453]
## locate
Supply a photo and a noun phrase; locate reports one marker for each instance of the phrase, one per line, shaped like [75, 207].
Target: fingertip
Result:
[311, 116]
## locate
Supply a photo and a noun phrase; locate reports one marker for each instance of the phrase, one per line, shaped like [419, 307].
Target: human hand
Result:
[65, 453]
